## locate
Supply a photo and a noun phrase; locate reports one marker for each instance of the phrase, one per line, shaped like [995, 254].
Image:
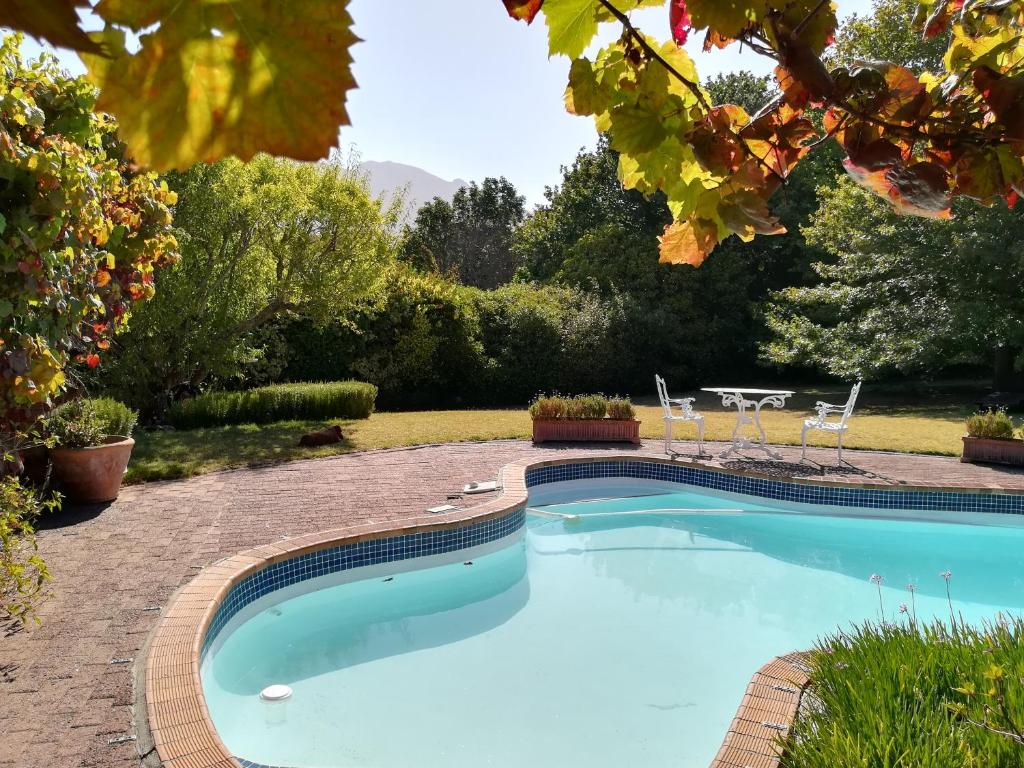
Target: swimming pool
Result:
[620, 626]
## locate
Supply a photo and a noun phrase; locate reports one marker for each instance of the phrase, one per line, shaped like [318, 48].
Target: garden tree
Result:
[888, 33]
[596, 235]
[895, 296]
[470, 237]
[917, 140]
[81, 234]
[257, 239]
[593, 230]
[742, 88]
[209, 78]
[904, 294]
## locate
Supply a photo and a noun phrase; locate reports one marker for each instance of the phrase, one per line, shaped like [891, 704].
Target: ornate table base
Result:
[745, 416]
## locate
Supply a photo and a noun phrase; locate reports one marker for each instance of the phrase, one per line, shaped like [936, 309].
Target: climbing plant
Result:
[916, 140]
[80, 232]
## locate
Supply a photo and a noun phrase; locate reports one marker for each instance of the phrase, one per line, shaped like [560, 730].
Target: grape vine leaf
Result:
[229, 77]
[727, 17]
[55, 21]
[688, 242]
[523, 10]
[572, 25]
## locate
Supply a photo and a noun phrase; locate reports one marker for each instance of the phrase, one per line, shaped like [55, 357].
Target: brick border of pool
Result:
[180, 723]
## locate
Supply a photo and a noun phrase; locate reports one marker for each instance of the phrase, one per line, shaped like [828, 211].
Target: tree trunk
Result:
[1004, 377]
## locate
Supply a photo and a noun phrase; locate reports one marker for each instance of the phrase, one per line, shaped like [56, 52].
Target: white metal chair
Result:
[686, 413]
[821, 422]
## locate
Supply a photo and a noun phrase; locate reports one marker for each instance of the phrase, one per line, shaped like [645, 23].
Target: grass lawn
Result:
[929, 427]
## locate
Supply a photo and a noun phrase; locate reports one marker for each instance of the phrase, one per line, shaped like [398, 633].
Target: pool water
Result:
[605, 640]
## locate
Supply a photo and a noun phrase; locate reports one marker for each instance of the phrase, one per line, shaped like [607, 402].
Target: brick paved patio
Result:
[63, 701]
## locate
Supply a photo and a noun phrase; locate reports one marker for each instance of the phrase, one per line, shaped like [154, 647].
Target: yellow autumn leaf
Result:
[687, 242]
[227, 77]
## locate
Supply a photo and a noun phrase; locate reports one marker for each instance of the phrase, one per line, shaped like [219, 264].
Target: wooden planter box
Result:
[586, 430]
[991, 451]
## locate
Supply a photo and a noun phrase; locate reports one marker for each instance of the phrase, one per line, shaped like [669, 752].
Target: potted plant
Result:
[93, 443]
[584, 418]
[990, 439]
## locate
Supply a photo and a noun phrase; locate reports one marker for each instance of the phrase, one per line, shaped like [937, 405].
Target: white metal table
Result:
[745, 399]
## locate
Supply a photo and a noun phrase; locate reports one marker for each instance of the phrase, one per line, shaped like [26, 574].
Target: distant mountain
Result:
[421, 186]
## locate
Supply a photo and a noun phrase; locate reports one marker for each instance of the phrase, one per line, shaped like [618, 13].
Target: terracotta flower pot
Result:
[586, 430]
[92, 475]
[993, 451]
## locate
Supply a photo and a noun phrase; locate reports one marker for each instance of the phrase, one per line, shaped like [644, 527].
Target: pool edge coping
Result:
[179, 721]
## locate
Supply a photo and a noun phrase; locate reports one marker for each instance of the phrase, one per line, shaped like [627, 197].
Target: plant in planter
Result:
[93, 444]
[990, 439]
[584, 418]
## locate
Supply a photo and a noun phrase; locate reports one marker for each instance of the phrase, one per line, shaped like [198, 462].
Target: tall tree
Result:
[905, 295]
[257, 239]
[902, 295]
[469, 238]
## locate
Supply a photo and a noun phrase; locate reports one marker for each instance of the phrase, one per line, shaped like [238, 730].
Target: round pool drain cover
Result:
[275, 693]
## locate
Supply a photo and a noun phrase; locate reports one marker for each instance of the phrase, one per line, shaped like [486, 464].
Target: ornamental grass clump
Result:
[994, 425]
[587, 407]
[904, 694]
[549, 407]
[580, 407]
[621, 408]
[278, 402]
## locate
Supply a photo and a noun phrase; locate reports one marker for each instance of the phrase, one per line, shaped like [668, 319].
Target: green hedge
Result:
[278, 402]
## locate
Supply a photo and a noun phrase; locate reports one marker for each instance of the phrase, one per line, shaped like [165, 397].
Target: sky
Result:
[459, 89]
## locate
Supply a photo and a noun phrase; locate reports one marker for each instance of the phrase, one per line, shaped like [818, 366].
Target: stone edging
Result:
[183, 732]
[765, 715]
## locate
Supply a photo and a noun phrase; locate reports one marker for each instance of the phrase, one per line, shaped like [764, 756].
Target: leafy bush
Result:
[87, 421]
[278, 402]
[82, 232]
[991, 424]
[23, 573]
[621, 408]
[115, 417]
[75, 424]
[909, 695]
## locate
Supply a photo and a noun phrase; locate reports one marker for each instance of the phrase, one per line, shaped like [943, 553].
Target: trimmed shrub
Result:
[115, 417]
[991, 424]
[278, 402]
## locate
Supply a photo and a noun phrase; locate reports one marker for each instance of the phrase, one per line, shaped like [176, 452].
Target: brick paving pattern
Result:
[66, 691]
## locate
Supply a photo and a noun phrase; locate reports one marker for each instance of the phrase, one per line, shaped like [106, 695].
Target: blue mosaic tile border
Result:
[880, 498]
[346, 556]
